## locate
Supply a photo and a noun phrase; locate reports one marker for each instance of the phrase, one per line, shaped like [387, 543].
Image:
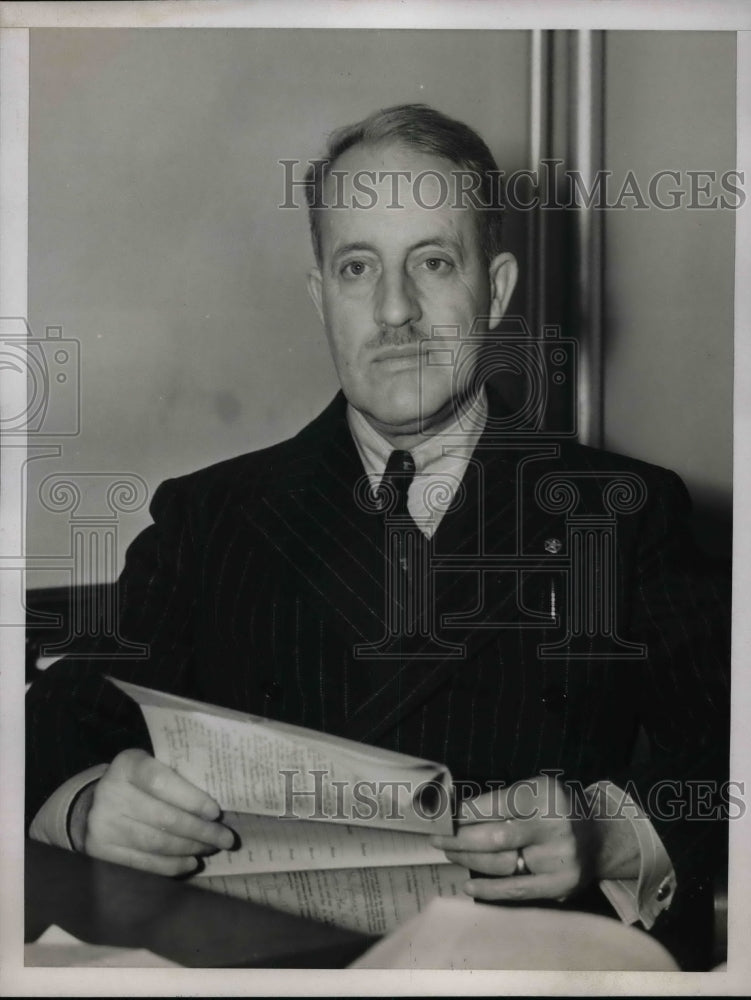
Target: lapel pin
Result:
[553, 546]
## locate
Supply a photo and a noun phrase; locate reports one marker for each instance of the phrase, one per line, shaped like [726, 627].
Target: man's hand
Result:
[144, 815]
[535, 817]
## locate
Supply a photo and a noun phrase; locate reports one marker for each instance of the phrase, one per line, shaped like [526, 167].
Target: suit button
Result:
[554, 698]
[272, 691]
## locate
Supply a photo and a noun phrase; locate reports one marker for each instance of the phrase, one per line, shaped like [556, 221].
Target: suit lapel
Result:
[309, 513]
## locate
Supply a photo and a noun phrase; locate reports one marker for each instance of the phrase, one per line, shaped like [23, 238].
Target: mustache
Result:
[399, 336]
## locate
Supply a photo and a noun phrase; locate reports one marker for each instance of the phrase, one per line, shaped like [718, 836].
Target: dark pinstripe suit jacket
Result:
[260, 575]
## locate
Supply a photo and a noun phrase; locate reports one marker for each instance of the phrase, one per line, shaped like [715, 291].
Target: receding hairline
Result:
[424, 129]
[391, 142]
[443, 164]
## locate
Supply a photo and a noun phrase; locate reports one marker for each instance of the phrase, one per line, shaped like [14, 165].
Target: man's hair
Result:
[420, 127]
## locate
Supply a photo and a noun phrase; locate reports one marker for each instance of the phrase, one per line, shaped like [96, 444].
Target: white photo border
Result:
[15, 21]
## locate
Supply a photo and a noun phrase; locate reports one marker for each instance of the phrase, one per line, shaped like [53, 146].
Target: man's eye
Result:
[354, 269]
[437, 264]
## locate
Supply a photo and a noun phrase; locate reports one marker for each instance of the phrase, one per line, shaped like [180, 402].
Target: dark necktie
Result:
[395, 483]
[404, 543]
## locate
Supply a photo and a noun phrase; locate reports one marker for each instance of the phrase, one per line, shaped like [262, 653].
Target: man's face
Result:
[390, 275]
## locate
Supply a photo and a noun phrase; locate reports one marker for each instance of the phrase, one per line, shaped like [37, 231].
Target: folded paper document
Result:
[328, 828]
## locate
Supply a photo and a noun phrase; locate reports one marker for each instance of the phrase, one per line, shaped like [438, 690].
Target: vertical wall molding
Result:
[565, 235]
[585, 156]
[540, 120]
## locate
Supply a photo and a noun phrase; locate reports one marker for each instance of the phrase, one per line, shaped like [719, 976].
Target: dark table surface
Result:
[102, 903]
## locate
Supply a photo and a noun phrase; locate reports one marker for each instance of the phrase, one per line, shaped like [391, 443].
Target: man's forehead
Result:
[395, 192]
[378, 166]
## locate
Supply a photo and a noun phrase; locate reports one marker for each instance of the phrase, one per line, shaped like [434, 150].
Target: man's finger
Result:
[177, 822]
[498, 863]
[529, 799]
[161, 782]
[152, 840]
[521, 887]
[502, 835]
[169, 866]
[490, 806]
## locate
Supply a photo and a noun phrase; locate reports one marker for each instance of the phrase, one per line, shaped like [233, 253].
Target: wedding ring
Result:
[521, 867]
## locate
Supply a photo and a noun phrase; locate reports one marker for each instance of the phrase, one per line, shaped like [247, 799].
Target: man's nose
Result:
[396, 301]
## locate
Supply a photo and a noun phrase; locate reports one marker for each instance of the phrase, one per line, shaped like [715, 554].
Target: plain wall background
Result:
[670, 104]
[155, 236]
[157, 243]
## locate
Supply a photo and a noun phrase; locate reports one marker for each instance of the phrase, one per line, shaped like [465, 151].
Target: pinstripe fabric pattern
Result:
[260, 574]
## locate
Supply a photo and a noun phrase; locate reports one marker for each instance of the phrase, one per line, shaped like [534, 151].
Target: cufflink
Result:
[663, 892]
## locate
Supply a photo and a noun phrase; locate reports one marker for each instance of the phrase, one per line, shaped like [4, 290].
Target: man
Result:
[274, 583]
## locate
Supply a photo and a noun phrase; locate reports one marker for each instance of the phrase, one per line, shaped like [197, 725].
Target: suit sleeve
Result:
[75, 718]
[680, 608]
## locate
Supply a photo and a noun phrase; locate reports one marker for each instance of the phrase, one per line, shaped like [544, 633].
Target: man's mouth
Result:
[396, 354]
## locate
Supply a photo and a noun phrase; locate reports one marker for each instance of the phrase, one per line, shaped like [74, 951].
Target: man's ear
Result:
[503, 272]
[315, 290]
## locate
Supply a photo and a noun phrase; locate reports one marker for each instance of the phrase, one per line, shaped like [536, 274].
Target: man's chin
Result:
[408, 416]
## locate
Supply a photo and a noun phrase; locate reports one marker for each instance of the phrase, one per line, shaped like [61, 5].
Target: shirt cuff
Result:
[645, 897]
[51, 823]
